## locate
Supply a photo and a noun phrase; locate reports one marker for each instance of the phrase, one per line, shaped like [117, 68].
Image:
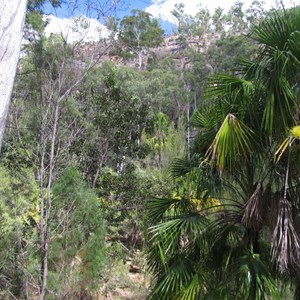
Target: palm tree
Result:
[223, 251]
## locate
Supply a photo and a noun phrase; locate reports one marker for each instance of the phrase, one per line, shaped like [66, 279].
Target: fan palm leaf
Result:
[224, 85]
[233, 142]
[277, 67]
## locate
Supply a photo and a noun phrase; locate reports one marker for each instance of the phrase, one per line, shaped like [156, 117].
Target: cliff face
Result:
[103, 51]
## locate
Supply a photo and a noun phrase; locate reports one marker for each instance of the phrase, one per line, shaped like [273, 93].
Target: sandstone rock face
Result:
[171, 47]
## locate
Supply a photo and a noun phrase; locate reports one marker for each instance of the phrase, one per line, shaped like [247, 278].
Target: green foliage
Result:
[114, 119]
[139, 30]
[164, 141]
[236, 17]
[77, 249]
[50, 56]
[192, 27]
[226, 52]
[277, 68]
[34, 16]
[36, 4]
[122, 193]
[18, 224]
[160, 88]
[138, 33]
[192, 257]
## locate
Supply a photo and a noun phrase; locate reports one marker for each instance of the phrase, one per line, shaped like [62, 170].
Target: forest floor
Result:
[125, 281]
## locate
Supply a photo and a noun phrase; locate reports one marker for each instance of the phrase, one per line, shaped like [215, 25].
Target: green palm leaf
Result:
[277, 67]
[162, 208]
[224, 85]
[255, 281]
[171, 284]
[183, 166]
[233, 142]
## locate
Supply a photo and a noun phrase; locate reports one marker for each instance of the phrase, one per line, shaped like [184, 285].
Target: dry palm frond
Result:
[252, 216]
[287, 142]
[274, 209]
[286, 243]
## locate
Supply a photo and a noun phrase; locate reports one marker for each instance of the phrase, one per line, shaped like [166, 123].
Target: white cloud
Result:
[76, 29]
[161, 9]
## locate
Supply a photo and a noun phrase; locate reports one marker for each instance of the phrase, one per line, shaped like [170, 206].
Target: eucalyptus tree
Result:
[236, 18]
[218, 20]
[243, 246]
[192, 30]
[139, 32]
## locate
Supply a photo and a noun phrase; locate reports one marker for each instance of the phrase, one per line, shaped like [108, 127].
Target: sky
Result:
[161, 8]
[59, 19]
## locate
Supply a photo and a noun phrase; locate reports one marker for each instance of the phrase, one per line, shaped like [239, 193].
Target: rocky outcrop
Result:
[171, 47]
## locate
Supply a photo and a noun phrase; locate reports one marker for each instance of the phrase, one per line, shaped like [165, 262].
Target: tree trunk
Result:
[140, 56]
[100, 163]
[46, 206]
[11, 31]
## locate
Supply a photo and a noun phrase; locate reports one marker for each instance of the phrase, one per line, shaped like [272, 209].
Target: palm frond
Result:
[233, 141]
[204, 118]
[247, 277]
[274, 32]
[183, 166]
[256, 281]
[253, 212]
[277, 67]
[280, 104]
[173, 257]
[170, 232]
[196, 285]
[281, 149]
[160, 208]
[206, 121]
[223, 85]
[171, 284]
[294, 133]
[293, 43]
[285, 242]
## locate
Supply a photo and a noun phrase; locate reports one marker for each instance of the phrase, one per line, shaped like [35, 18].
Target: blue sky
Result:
[160, 9]
[82, 8]
[86, 7]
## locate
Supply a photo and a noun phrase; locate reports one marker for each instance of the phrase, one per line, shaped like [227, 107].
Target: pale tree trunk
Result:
[140, 56]
[47, 206]
[100, 163]
[11, 30]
